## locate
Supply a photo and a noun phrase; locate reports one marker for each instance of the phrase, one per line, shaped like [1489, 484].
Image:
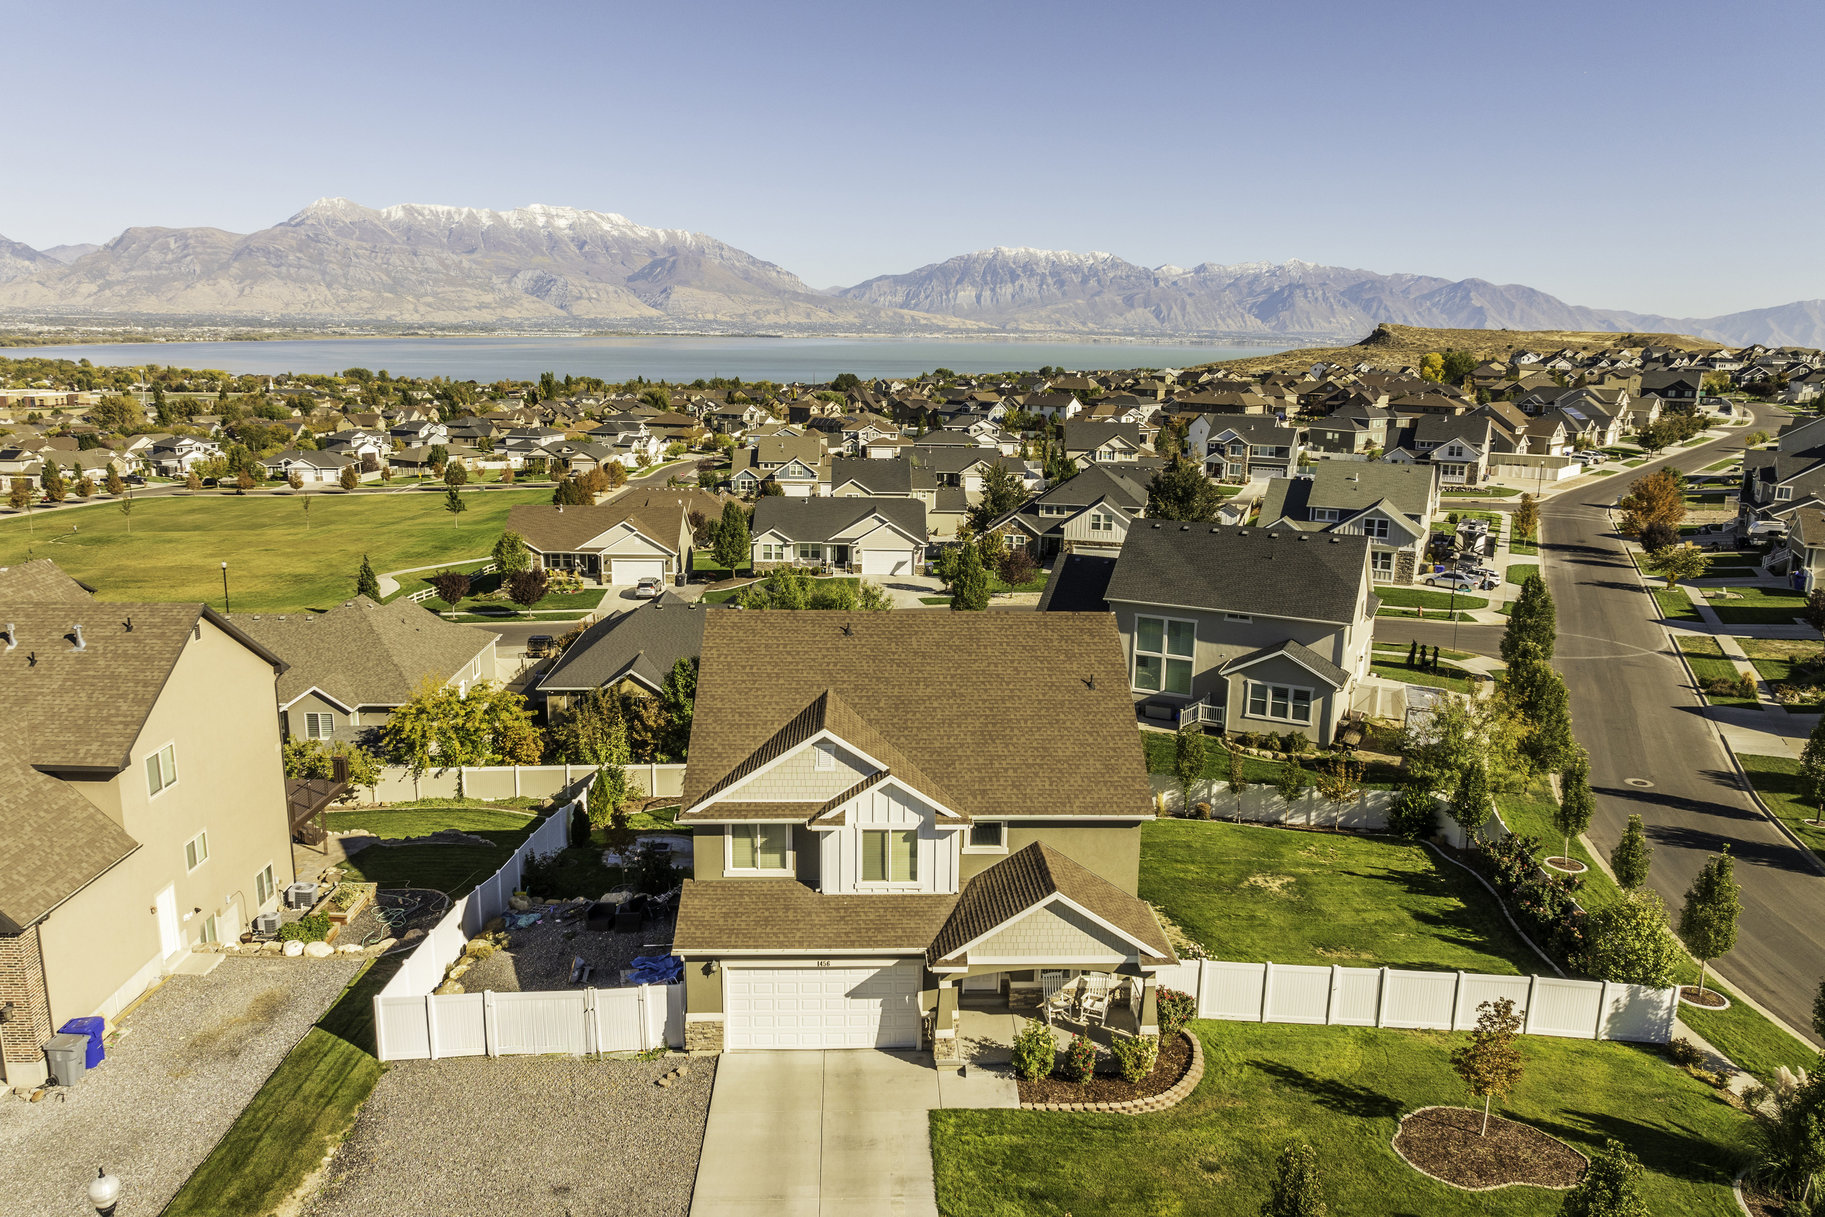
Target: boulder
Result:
[384, 945]
[272, 948]
[349, 948]
[294, 949]
[319, 950]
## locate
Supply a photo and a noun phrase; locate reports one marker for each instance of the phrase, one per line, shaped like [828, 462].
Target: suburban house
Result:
[869, 849]
[142, 800]
[1090, 512]
[1240, 448]
[178, 456]
[631, 652]
[347, 670]
[1391, 504]
[1460, 445]
[946, 507]
[1263, 630]
[799, 466]
[314, 466]
[1804, 556]
[627, 539]
[851, 535]
[1104, 442]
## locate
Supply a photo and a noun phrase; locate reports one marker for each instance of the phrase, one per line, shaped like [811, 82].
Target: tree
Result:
[970, 586]
[21, 496]
[243, 481]
[1818, 1012]
[1189, 752]
[678, 693]
[615, 472]
[50, 480]
[366, 582]
[126, 510]
[1289, 781]
[1490, 1063]
[527, 587]
[450, 586]
[734, 547]
[1657, 536]
[1812, 767]
[568, 492]
[349, 478]
[456, 474]
[1002, 492]
[1814, 612]
[1432, 367]
[1469, 804]
[306, 504]
[608, 798]
[1532, 621]
[1339, 780]
[1677, 562]
[1526, 518]
[1539, 695]
[1237, 779]
[1629, 943]
[1707, 923]
[1575, 804]
[443, 728]
[453, 503]
[845, 381]
[1181, 491]
[1611, 1186]
[1295, 1190]
[295, 480]
[1632, 856]
[1482, 728]
[592, 732]
[113, 485]
[192, 481]
[1656, 498]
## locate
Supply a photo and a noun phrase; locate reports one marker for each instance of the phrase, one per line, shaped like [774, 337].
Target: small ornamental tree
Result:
[608, 803]
[1490, 1063]
[1339, 781]
[1470, 799]
[1526, 518]
[453, 503]
[1237, 779]
[1182, 491]
[1657, 498]
[1679, 562]
[734, 547]
[1295, 1190]
[1818, 1011]
[1289, 782]
[450, 586]
[349, 478]
[20, 497]
[1657, 536]
[510, 554]
[1575, 803]
[1812, 767]
[113, 484]
[192, 481]
[366, 582]
[527, 587]
[50, 480]
[126, 510]
[295, 480]
[1632, 856]
[1611, 1186]
[1630, 944]
[970, 588]
[1707, 923]
[1189, 752]
[243, 482]
[456, 474]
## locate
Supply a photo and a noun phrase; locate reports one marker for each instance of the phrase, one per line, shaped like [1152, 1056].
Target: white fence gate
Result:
[1434, 1001]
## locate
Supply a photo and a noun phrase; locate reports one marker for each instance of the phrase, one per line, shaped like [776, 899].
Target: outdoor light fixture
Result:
[104, 1192]
[225, 587]
[6, 1011]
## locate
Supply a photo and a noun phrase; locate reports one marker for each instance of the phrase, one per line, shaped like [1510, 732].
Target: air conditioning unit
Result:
[300, 895]
[266, 923]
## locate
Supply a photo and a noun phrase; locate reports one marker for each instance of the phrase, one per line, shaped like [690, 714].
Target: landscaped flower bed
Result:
[1445, 1142]
[1107, 1085]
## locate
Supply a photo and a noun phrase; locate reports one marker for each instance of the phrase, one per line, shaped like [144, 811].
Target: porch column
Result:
[1149, 1014]
[945, 1050]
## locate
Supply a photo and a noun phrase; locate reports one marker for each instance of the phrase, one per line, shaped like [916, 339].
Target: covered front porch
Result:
[988, 1021]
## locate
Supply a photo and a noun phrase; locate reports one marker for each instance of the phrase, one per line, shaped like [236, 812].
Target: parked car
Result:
[540, 645]
[649, 588]
[1476, 571]
[1459, 581]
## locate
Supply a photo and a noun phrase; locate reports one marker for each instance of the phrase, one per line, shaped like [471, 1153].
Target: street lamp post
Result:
[224, 587]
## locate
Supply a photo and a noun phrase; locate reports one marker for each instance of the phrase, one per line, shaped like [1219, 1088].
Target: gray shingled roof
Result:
[1350, 486]
[1271, 572]
[822, 519]
[363, 653]
[642, 643]
[1079, 583]
[1299, 653]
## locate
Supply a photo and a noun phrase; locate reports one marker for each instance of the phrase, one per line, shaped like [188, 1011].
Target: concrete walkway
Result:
[828, 1134]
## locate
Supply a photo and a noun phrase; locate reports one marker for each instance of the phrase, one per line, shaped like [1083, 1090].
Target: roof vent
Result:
[76, 633]
[12, 635]
[128, 623]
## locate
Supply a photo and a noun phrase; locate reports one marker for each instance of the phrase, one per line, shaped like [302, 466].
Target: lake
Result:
[618, 359]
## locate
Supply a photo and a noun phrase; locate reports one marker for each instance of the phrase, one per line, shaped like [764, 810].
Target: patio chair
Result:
[1064, 1001]
[1096, 993]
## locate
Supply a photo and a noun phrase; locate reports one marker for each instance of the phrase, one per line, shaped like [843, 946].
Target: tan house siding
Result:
[1111, 850]
[1051, 933]
[797, 778]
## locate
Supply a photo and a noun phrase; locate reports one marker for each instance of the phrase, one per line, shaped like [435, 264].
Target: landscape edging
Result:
[1460, 1187]
[1172, 1096]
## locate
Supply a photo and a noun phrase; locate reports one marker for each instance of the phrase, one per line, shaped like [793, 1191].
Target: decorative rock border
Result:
[1419, 1111]
[1172, 1096]
[1698, 1005]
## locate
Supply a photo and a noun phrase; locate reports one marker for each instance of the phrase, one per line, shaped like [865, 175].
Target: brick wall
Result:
[22, 985]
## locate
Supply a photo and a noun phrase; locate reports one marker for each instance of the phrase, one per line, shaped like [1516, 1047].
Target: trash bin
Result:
[65, 1054]
[93, 1027]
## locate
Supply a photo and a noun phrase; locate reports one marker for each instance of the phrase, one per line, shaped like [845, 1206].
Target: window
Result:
[161, 769]
[759, 846]
[1783, 492]
[319, 726]
[209, 930]
[1376, 528]
[263, 886]
[196, 851]
[1324, 515]
[810, 553]
[1162, 655]
[988, 834]
[771, 552]
[1381, 563]
[1285, 703]
[890, 856]
[826, 757]
[1102, 521]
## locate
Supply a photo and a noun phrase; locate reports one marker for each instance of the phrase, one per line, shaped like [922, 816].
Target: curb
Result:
[1170, 1097]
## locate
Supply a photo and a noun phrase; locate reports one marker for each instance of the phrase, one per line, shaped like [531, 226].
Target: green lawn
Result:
[724, 595]
[453, 869]
[1524, 549]
[1484, 491]
[1777, 781]
[409, 584]
[1427, 598]
[1726, 463]
[1256, 893]
[1708, 662]
[1759, 606]
[1518, 572]
[1674, 604]
[1530, 814]
[1158, 746]
[1776, 659]
[395, 823]
[1343, 1089]
[1443, 653]
[1447, 677]
[177, 545]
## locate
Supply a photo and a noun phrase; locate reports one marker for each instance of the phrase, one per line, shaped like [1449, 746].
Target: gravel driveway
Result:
[523, 1136]
[189, 1060]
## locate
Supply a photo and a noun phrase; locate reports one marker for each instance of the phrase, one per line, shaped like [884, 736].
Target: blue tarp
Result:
[657, 970]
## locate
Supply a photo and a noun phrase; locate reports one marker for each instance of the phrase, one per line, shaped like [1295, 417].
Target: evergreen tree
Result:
[1812, 767]
[970, 587]
[1182, 491]
[1632, 856]
[1611, 1187]
[1707, 924]
[1575, 803]
[366, 582]
[1532, 620]
[1539, 693]
[734, 546]
[1295, 1190]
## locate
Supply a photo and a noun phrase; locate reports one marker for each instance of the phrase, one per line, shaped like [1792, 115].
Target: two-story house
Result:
[798, 465]
[142, 799]
[1088, 513]
[1242, 448]
[870, 849]
[850, 534]
[1391, 504]
[1103, 443]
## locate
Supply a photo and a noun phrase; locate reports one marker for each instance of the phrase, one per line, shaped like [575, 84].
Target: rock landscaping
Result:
[542, 955]
[1443, 1142]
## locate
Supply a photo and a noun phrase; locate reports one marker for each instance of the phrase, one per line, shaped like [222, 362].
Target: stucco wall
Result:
[1110, 850]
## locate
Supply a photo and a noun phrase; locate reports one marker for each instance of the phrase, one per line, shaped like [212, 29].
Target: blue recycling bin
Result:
[93, 1028]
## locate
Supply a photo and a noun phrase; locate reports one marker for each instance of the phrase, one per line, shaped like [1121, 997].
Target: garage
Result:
[886, 562]
[813, 1007]
[632, 570]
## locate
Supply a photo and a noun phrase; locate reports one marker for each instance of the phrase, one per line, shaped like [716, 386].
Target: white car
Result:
[1459, 581]
[649, 588]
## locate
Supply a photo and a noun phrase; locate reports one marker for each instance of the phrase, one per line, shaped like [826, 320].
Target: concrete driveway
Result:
[828, 1134]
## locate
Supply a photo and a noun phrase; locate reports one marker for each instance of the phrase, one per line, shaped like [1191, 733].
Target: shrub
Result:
[1203, 811]
[1080, 1060]
[1545, 904]
[1683, 1051]
[579, 827]
[1135, 1055]
[1034, 1051]
[345, 898]
[1176, 1009]
[314, 927]
[1412, 814]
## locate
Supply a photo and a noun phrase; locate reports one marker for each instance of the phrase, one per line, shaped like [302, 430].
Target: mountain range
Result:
[560, 268]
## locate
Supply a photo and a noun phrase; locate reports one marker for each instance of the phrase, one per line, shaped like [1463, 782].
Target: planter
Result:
[1566, 866]
[1718, 1000]
[365, 896]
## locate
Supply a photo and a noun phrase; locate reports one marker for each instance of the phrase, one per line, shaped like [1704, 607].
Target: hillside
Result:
[1395, 345]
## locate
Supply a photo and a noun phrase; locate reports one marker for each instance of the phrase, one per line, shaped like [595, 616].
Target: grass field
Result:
[1255, 893]
[1427, 598]
[395, 824]
[1343, 1089]
[1759, 606]
[453, 869]
[1708, 662]
[178, 545]
[1447, 676]
[1518, 572]
[1777, 781]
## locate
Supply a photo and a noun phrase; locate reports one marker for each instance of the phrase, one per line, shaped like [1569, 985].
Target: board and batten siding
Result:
[888, 806]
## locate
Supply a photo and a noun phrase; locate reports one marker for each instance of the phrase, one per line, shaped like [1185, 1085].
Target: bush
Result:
[579, 827]
[1176, 1009]
[345, 898]
[312, 928]
[1683, 1051]
[1545, 904]
[1412, 814]
[1080, 1060]
[1202, 811]
[1135, 1055]
[1034, 1051]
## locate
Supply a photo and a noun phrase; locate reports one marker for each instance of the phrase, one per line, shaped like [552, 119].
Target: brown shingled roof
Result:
[1033, 875]
[555, 529]
[53, 842]
[783, 914]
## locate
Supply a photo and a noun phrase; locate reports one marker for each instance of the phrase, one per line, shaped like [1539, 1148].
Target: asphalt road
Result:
[1654, 753]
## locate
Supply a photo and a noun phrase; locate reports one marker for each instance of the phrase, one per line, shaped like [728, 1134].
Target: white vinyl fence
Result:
[1434, 1001]
[397, 784]
[413, 1023]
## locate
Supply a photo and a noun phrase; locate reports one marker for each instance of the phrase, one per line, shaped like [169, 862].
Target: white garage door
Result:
[822, 1007]
[886, 562]
[632, 570]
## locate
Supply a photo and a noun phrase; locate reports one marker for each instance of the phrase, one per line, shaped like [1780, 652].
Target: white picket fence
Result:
[1434, 1001]
[397, 784]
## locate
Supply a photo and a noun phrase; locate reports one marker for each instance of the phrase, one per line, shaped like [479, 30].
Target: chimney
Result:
[80, 644]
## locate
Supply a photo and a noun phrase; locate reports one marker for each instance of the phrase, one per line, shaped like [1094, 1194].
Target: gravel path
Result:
[189, 1060]
[539, 956]
[524, 1136]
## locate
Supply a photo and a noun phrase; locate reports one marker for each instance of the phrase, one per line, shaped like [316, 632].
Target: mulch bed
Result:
[1762, 1204]
[1107, 1085]
[1710, 998]
[1443, 1142]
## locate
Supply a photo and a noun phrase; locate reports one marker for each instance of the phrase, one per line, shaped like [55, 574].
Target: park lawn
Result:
[1777, 780]
[1518, 572]
[1342, 1089]
[1708, 662]
[1759, 606]
[408, 584]
[1674, 604]
[1427, 598]
[1776, 658]
[1158, 746]
[177, 545]
[1250, 893]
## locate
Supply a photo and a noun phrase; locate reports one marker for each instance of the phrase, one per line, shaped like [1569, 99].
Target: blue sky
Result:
[1662, 157]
